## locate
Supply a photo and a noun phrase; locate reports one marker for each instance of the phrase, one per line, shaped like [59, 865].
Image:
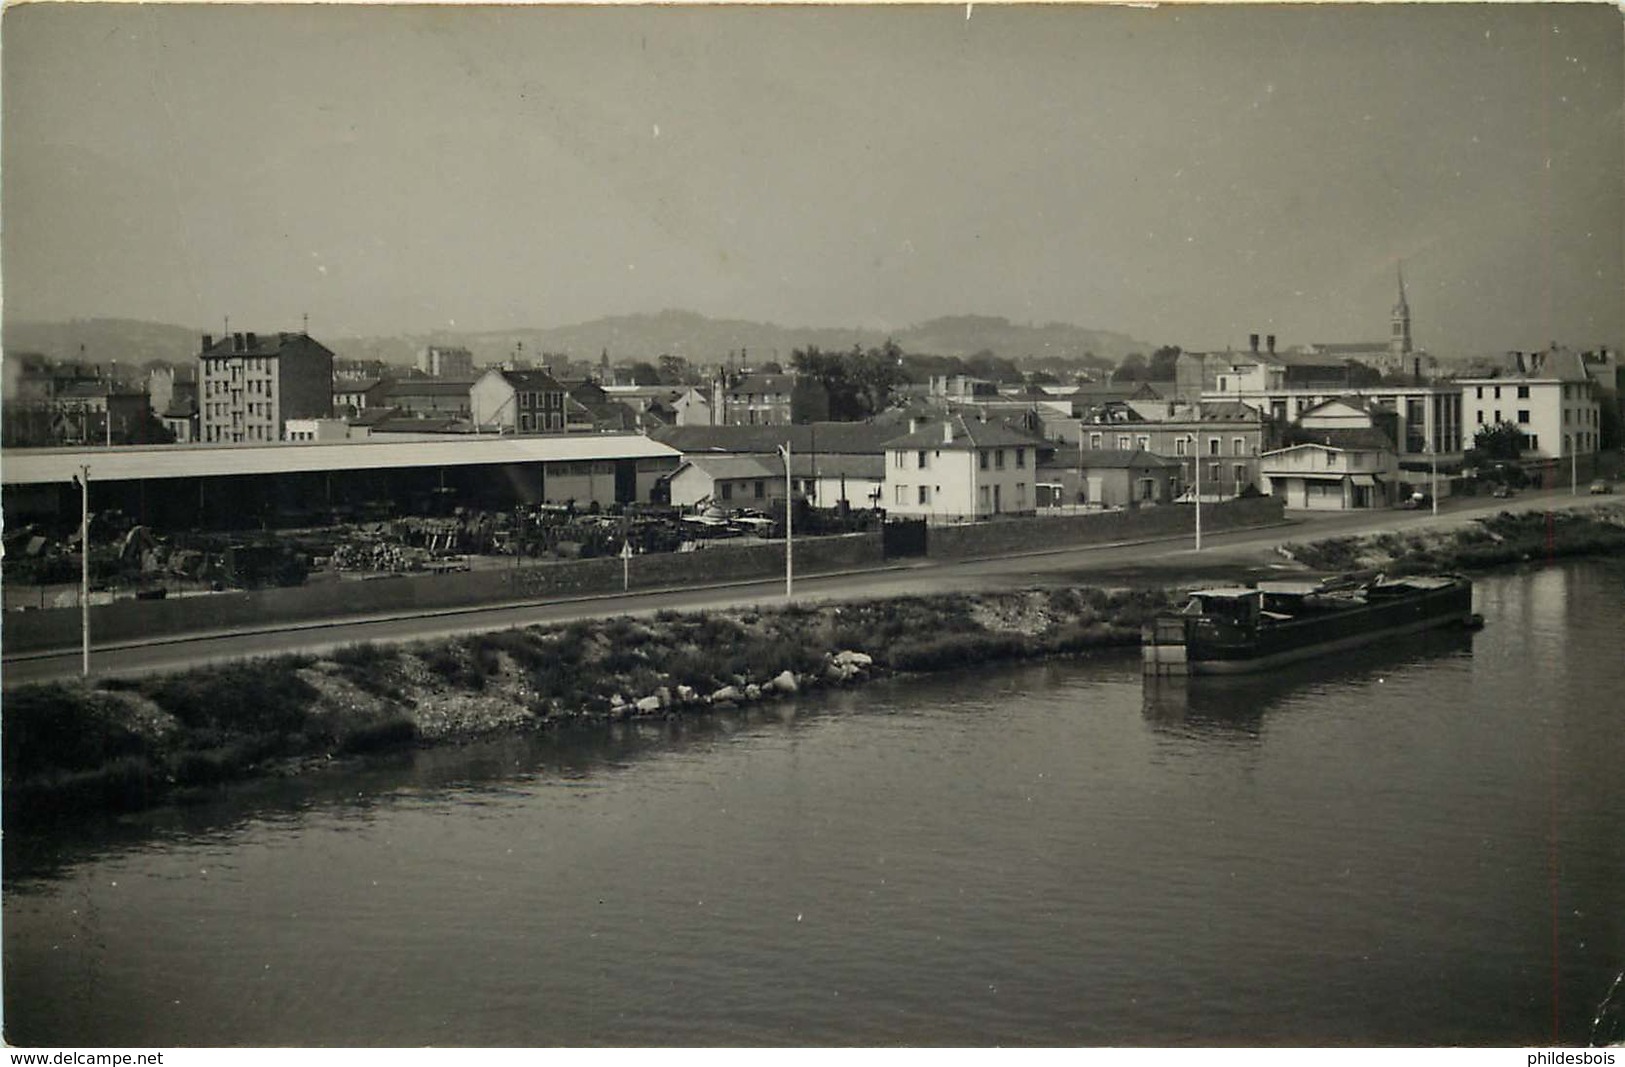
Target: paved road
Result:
[1169, 560]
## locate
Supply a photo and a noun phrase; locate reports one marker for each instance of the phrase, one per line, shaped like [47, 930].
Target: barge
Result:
[1235, 630]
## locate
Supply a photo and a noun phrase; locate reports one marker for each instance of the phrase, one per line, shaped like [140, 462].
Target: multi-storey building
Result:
[961, 470]
[249, 384]
[756, 400]
[438, 361]
[1549, 396]
[1228, 436]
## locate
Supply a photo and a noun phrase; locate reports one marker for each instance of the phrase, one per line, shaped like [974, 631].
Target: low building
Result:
[430, 398]
[351, 396]
[444, 361]
[727, 481]
[1340, 469]
[1109, 478]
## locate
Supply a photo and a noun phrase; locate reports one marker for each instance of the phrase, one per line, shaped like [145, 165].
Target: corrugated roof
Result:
[724, 467]
[49, 465]
[427, 387]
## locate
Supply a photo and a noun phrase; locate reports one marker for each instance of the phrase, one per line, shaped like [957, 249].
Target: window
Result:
[1523, 392]
[1479, 394]
[981, 458]
[897, 460]
[1523, 414]
[761, 489]
[1179, 446]
[900, 493]
[1498, 395]
[1213, 470]
[1480, 416]
[1565, 417]
[925, 495]
[998, 458]
[920, 459]
[1094, 440]
[983, 496]
[1021, 495]
[1021, 457]
[1241, 474]
[1123, 441]
[1142, 442]
[1212, 446]
[1238, 446]
[727, 490]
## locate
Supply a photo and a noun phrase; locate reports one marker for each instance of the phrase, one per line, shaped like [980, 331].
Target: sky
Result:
[1187, 175]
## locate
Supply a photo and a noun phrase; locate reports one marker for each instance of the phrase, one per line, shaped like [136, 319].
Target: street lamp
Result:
[83, 482]
[789, 512]
[1196, 462]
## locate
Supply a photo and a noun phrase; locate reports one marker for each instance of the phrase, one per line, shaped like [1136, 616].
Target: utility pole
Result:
[84, 568]
[789, 512]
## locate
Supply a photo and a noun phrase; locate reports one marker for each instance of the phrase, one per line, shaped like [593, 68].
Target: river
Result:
[1420, 843]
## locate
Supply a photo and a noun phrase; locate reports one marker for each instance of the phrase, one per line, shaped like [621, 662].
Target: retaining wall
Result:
[1064, 531]
[125, 620]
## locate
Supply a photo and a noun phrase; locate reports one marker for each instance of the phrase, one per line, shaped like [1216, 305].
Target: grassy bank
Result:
[1499, 540]
[123, 744]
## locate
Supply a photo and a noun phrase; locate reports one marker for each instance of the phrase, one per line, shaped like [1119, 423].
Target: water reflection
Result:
[352, 793]
[1235, 706]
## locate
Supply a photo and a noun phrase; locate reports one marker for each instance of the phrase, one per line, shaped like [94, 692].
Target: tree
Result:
[1164, 366]
[675, 370]
[858, 383]
[1132, 369]
[1502, 441]
[644, 373]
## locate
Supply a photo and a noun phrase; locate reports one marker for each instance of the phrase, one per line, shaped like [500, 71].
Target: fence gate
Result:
[903, 537]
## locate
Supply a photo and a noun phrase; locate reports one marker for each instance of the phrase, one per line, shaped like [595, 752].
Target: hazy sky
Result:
[1186, 175]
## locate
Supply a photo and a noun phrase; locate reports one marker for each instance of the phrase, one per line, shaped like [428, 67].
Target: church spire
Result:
[1399, 340]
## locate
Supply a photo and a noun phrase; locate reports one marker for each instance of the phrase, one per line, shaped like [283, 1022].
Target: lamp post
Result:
[83, 481]
[1574, 464]
[1196, 462]
[789, 512]
[1433, 469]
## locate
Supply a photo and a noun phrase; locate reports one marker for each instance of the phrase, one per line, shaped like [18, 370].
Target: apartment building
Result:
[250, 384]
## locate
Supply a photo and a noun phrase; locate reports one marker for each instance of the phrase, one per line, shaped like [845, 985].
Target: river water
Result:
[1416, 844]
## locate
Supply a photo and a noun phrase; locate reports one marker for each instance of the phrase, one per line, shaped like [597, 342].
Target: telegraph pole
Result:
[789, 511]
[84, 568]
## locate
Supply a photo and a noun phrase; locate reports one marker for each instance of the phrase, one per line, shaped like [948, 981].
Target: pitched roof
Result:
[1363, 439]
[538, 380]
[966, 434]
[265, 344]
[764, 383]
[820, 437]
[427, 387]
[723, 467]
[1070, 458]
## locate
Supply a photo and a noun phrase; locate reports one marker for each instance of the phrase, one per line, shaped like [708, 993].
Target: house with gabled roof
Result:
[959, 469]
[518, 401]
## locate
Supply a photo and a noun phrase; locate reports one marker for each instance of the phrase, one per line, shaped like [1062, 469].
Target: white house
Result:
[523, 401]
[727, 481]
[959, 470]
[1549, 396]
[1338, 469]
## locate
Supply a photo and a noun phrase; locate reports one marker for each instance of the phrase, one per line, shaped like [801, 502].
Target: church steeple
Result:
[1399, 340]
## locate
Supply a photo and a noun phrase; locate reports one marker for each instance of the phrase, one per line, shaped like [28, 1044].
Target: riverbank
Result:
[123, 744]
[1493, 541]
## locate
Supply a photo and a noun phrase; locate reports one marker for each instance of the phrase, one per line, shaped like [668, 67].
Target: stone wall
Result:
[126, 620]
[1064, 531]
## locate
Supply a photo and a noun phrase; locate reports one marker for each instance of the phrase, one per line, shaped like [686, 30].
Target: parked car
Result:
[1416, 500]
[1502, 491]
[1601, 485]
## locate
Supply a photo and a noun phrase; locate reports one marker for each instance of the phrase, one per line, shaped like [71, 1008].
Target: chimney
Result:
[252, 341]
[1519, 357]
[236, 342]
[208, 341]
[1270, 343]
[1252, 342]
[947, 432]
[1416, 369]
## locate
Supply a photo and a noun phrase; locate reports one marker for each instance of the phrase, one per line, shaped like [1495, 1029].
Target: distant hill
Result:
[627, 338]
[122, 341]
